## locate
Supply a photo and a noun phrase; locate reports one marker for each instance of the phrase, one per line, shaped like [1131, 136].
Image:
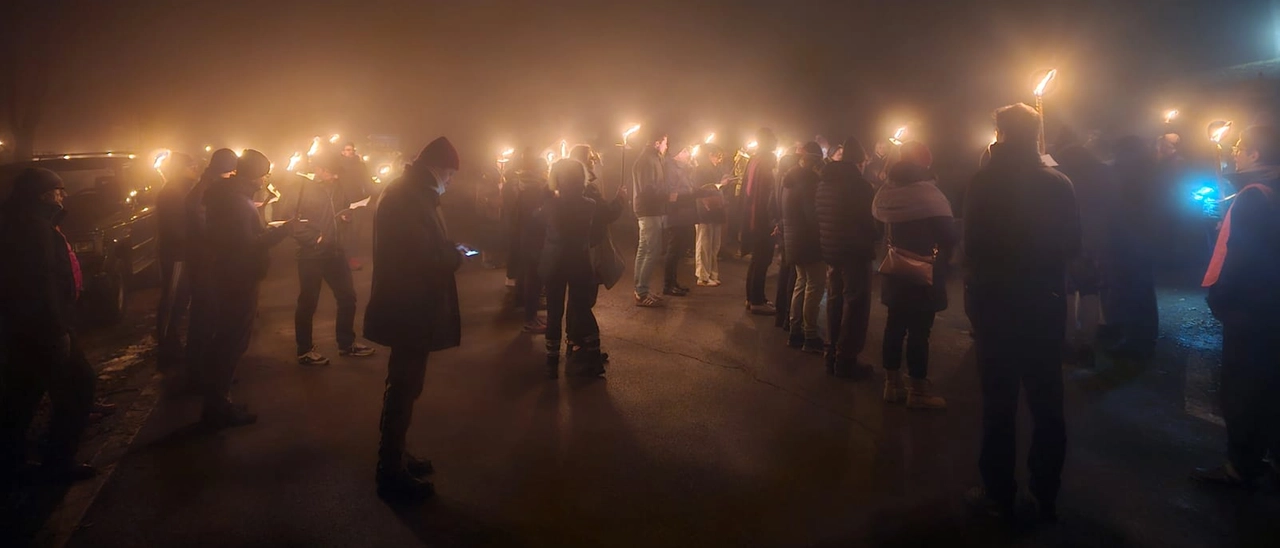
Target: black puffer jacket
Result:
[800, 216]
[846, 228]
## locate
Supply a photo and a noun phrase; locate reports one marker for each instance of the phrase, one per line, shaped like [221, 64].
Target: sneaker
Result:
[765, 309]
[814, 346]
[534, 328]
[648, 301]
[675, 291]
[312, 358]
[357, 350]
[920, 395]
[796, 340]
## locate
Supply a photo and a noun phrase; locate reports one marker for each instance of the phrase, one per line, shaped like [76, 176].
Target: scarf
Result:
[900, 203]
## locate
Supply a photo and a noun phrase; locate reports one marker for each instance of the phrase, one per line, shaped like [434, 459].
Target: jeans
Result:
[785, 293]
[648, 251]
[32, 371]
[579, 319]
[910, 322]
[757, 272]
[679, 242]
[1250, 382]
[174, 300]
[707, 255]
[406, 371]
[1018, 342]
[806, 298]
[334, 271]
[849, 308]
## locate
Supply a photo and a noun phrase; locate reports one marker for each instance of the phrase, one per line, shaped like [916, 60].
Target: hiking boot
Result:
[920, 395]
[814, 346]
[796, 340]
[226, 415]
[895, 390]
[399, 487]
[357, 350]
[311, 357]
[417, 467]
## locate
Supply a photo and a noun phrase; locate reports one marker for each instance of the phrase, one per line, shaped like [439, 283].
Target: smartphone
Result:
[466, 251]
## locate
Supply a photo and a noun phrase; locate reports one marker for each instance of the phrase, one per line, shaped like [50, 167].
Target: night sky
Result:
[145, 74]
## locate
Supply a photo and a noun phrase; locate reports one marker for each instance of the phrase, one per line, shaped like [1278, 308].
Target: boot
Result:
[895, 391]
[397, 486]
[553, 359]
[417, 467]
[920, 396]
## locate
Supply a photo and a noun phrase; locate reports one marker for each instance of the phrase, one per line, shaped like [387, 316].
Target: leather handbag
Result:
[907, 265]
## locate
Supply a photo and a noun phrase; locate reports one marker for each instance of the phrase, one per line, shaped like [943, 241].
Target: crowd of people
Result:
[1037, 245]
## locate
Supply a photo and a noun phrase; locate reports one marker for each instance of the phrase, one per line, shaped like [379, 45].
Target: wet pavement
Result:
[707, 431]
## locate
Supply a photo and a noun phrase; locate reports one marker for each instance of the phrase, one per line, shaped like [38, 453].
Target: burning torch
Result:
[1039, 92]
[315, 146]
[622, 157]
[504, 158]
[1170, 115]
[897, 141]
[1218, 130]
[293, 161]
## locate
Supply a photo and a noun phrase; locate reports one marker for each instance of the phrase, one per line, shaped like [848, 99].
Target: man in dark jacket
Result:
[848, 234]
[682, 214]
[534, 191]
[649, 189]
[758, 226]
[39, 284]
[1021, 230]
[1243, 295]
[239, 243]
[200, 261]
[356, 184]
[804, 250]
[786, 284]
[322, 257]
[1092, 182]
[180, 173]
[413, 306]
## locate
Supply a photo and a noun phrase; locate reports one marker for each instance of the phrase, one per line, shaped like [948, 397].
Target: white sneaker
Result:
[313, 358]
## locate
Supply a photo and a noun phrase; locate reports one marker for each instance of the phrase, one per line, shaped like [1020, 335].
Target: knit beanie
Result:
[223, 161]
[253, 164]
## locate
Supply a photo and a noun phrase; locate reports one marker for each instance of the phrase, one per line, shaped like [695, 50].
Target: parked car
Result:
[110, 223]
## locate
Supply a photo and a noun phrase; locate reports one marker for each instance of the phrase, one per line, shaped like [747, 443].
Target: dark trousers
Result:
[1130, 306]
[529, 287]
[204, 318]
[578, 317]
[170, 313]
[678, 243]
[332, 270]
[1019, 346]
[849, 308]
[909, 321]
[1251, 396]
[237, 306]
[782, 299]
[406, 371]
[32, 371]
[758, 270]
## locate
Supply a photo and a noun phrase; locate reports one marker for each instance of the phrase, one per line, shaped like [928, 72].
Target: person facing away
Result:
[847, 233]
[413, 306]
[239, 242]
[918, 220]
[531, 178]
[709, 178]
[804, 248]
[682, 211]
[180, 172]
[786, 282]
[758, 227]
[200, 261]
[607, 267]
[1243, 295]
[1130, 303]
[1092, 181]
[566, 267]
[40, 281]
[322, 258]
[1021, 230]
[649, 202]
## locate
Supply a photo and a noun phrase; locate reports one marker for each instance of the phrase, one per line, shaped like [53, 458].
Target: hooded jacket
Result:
[846, 229]
[38, 286]
[414, 298]
[239, 241]
[800, 231]
[1021, 227]
[918, 219]
[1246, 290]
[649, 184]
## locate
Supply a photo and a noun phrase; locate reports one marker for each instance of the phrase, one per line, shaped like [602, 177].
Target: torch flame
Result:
[752, 145]
[897, 136]
[1044, 83]
[694, 152]
[208, 148]
[630, 132]
[160, 158]
[315, 146]
[709, 138]
[508, 152]
[334, 139]
[551, 158]
[293, 161]
[564, 148]
[384, 170]
[1169, 116]
[1221, 132]
[780, 152]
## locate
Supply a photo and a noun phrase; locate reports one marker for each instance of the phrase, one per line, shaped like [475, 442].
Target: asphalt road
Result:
[707, 431]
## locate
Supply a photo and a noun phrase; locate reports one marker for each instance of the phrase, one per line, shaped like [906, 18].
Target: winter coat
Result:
[649, 184]
[414, 298]
[684, 211]
[354, 179]
[758, 196]
[1021, 227]
[711, 199]
[198, 248]
[532, 196]
[171, 219]
[607, 213]
[846, 228]
[318, 202]
[800, 216]
[567, 253]
[38, 285]
[918, 219]
[1246, 291]
[1094, 185]
[239, 242]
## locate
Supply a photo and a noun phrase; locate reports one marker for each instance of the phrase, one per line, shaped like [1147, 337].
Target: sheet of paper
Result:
[361, 203]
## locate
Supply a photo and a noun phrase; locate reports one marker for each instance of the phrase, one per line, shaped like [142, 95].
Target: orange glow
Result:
[1169, 116]
[293, 161]
[1044, 83]
[1221, 132]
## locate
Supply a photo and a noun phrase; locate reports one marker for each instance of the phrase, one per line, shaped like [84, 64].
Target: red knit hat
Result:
[439, 154]
[917, 153]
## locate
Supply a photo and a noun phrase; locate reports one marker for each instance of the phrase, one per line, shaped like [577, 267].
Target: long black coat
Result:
[800, 216]
[37, 283]
[846, 228]
[171, 219]
[414, 299]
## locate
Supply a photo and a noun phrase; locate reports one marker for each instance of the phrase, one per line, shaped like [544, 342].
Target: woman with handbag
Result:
[920, 236]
